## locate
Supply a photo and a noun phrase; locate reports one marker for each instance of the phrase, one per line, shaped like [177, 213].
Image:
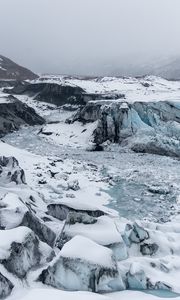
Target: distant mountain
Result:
[11, 70]
[168, 68]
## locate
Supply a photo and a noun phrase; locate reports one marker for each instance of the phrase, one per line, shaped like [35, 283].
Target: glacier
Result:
[75, 221]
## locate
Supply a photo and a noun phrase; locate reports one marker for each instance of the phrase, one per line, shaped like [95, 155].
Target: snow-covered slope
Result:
[149, 88]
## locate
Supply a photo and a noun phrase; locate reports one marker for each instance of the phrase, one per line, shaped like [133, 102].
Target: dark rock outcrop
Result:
[50, 92]
[14, 113]
[61, 211]
[7, 83]
[44, 233]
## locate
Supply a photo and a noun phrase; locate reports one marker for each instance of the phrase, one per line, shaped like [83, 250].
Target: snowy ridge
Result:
[149, 88]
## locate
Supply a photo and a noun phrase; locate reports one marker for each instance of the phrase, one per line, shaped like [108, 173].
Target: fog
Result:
[88, 36]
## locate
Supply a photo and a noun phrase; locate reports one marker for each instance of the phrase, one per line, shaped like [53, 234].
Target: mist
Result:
[88, 36]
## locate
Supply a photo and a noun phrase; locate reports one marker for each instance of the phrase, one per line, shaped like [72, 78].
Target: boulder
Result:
[10, 171]
[83, 265]
[135, 234]
[12, 211]
[21, 250]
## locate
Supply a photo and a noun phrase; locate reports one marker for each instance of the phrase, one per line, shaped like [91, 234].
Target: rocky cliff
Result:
[14, 113]
[11, 70]
[50, 92]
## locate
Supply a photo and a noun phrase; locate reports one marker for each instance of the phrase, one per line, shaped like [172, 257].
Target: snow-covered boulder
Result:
[135, 233]
[151, 274]
[12, 211]
[83, 265]
[21, 250]
[73, 185]
[10, 171]
[104, 232]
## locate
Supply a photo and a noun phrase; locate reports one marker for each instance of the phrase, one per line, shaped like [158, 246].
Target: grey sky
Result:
[78, 36]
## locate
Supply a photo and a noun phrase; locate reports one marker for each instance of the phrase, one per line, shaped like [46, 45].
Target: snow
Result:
[96, 231]
[76, 135]
[12, 201]
[158, 89]
[49, 294]
[137, 295]
[85, 249]
[12, 214]
[7, 237]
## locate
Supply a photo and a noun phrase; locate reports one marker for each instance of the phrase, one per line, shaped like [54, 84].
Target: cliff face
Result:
[11, 70]
[50, 92]
[13, 114]
[152, 127]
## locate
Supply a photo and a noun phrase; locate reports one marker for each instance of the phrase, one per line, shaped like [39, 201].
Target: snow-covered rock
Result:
[20, 251]
[10, 171]
[73, 185]
[12, 211]
[109, 237]
[83, 265]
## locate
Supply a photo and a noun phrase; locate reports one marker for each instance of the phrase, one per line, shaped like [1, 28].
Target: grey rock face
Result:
[51, 93]
[13, 114]
[11, 70]
[5, 287]
[7, 83]
[44, 233]
[61, 211]
[10, 171]
[23, 256]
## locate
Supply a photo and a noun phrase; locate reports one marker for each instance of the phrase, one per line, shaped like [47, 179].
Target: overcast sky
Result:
[74, 36]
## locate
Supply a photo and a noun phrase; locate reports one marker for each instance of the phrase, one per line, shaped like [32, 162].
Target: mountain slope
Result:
[11, 70]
